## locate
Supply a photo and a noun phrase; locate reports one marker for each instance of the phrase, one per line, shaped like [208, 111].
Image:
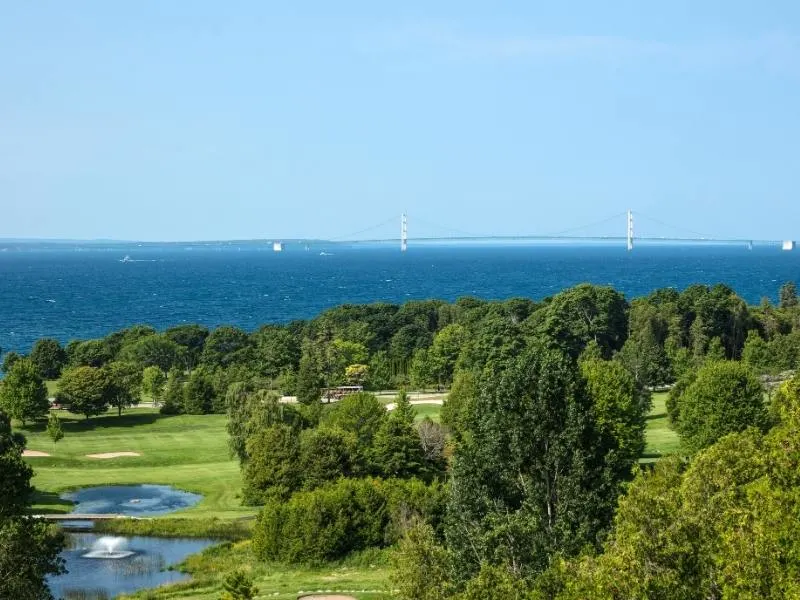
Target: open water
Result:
[86, 291]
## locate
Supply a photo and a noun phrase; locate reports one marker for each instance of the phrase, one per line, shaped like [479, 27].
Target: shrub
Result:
[342, 517]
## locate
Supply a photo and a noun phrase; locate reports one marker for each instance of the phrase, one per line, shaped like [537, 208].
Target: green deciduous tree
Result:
[529, 478]
[49, 358]
[23, 394]
[85, 390]
[326, 454]
[421, 566]
[9, 359]
[124, 384]
[191, 338]
[725, 397]
[91, 353]
[583, 313]
[360, 414]
[29, 549]
[459, 404]
[153, 350]
[173, 394]
[16, 491]
[224, 346]
[153, 382]
[54, 430]
[309, 379]
[341, 354]
[250, 410]
[272, 471]
[620, 410]
[198, 394]
[422, 371]
[443, 354]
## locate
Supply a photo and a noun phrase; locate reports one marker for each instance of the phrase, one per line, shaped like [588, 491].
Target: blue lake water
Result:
[101, 579]
[147, 566]
[85, 291]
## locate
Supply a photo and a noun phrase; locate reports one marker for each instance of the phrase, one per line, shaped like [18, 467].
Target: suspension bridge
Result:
[628, 224]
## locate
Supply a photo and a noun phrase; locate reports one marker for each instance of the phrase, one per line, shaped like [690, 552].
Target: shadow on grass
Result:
[49, 503]
[662, 415]
[75, 423]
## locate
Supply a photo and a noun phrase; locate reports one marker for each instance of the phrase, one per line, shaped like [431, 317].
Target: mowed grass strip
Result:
[188, 452]
[661, 439]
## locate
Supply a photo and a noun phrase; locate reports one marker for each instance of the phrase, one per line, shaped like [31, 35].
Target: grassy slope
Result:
[364, 576]
[188, 452]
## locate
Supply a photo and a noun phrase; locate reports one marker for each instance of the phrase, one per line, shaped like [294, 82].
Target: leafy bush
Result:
[342, 517]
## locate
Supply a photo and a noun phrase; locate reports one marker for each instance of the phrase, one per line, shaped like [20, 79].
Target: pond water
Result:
[134, 500]
[103, 578]
[100, 566]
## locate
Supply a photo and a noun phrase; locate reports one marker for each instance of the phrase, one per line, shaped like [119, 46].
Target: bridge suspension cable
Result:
[674, 227]
[392, 219]
[587, 226]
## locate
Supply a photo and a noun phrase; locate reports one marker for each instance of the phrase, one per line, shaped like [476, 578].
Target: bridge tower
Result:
[630, 230]
[403, 232]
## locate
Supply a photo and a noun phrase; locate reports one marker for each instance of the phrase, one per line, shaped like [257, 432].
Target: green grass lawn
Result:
[428, 410]
[52, 387]
[363, 575]
[188, 452]
[661, 438]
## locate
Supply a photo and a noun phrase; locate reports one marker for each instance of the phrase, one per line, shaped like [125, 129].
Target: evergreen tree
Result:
[788, 295]
[238, 586]
[396, 449]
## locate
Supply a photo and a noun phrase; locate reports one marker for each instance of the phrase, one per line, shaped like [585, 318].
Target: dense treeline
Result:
[419, 344]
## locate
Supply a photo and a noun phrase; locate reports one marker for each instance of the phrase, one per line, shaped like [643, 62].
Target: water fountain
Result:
[109, 547]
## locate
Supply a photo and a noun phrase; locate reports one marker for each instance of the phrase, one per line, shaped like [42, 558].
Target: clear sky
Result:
[186, 120]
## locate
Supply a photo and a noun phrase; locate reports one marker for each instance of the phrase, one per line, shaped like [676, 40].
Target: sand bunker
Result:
[112, 454]
[34, 453]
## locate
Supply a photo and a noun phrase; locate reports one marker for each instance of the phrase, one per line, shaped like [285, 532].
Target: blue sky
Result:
[157, 120]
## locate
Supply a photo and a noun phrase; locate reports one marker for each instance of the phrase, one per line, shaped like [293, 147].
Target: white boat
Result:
[277, 246]
[126, 258]
[788, 245]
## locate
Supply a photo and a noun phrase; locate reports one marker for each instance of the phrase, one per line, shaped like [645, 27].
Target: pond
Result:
[133, 500]
[143, 565]
[102, 566]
